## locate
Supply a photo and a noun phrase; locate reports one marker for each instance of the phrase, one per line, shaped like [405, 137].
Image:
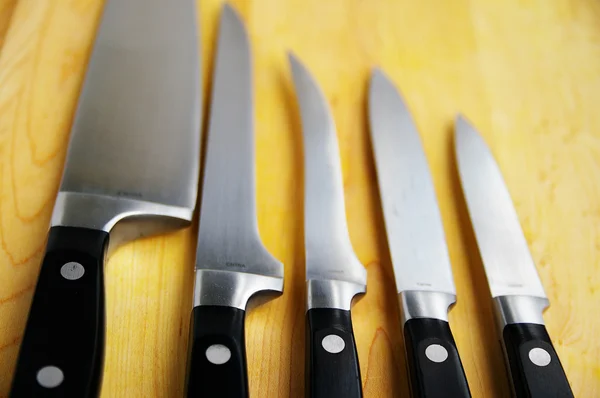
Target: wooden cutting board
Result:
[527, 73]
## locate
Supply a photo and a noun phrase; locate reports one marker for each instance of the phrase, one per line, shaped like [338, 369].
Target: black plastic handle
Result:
[433, 361]
[332, 368]
[534, 366]
[62, 352]
[217, 353]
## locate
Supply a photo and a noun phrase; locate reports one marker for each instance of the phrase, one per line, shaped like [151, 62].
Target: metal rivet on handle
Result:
[436, 353]
[539, 356]
[50, 377]
[333, 344]
[72, 271]
[218, 354]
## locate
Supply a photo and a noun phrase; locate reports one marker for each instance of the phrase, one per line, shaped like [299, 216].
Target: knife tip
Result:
[376, 70]
[459, 119]
[229, 13]
[378, 78]
[292, 58]
[464, 132]
[299, 71]
[227, 8]
[461, 123]
[377, 73]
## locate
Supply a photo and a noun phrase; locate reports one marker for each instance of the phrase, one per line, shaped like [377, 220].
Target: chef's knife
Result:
[417, 245]
[232, 264]
[517, 291]
[131, 170]
[334, 275]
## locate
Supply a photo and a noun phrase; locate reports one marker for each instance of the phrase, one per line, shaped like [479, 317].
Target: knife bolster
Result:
[231, 288]
[326, 293]
[425, 304]
[126, 219]
[519, 309]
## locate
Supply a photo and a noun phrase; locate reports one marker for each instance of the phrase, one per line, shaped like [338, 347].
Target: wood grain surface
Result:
[526, 72]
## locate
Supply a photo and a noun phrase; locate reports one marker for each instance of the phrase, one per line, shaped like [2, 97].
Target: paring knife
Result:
[517, 292]
[131, 170]
[334, 275]
[417, 245]
[232, 265]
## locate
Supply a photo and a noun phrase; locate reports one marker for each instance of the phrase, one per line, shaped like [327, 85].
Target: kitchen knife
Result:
[517, 292]
[334, 275]
[232, 265]
[131, 170]
[417, 245]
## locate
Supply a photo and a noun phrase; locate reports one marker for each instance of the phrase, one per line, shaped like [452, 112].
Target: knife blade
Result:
[131, 170]
[334, 275]
[232, 265]
[417, 245]
[519, 298]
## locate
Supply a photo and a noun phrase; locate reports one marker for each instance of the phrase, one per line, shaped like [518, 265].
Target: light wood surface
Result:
[527, 73]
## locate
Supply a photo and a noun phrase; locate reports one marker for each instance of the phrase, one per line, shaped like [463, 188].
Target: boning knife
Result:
[334, 275]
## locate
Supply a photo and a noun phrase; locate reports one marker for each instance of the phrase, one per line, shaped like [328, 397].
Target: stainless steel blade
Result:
[508, 264]
[228, 237]
[329, 253]
[135, 140]
[412, 218]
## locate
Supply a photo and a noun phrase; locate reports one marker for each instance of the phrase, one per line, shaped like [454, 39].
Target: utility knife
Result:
[131, 170]
[334, 275]
[232, 265]
[517, 292]
[417, 245]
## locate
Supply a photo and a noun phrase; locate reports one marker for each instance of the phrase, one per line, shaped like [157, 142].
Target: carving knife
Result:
[417, 245]
[131, 170]
[517, 291]
[232, 265]
[334, 275]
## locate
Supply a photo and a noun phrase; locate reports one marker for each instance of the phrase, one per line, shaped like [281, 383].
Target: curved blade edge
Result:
[506, 258]
[329, 253]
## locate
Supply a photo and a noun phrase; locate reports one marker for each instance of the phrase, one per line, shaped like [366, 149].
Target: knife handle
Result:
[433, 361]
[62, 351]
[534, 366]
[217, 353]
[332, 368]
